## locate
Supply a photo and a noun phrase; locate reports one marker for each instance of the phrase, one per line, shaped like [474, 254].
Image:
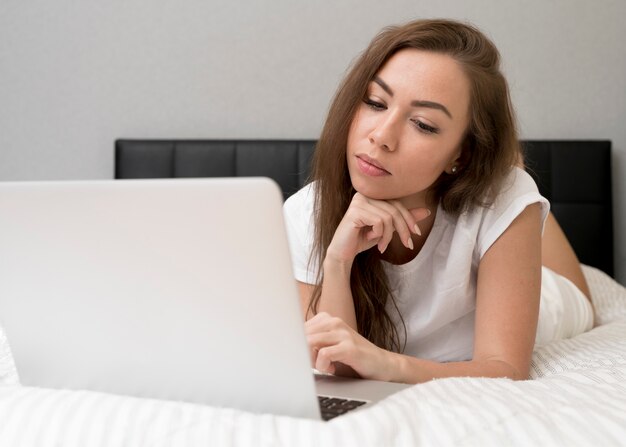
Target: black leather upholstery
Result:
[574, 175]
[285, 161]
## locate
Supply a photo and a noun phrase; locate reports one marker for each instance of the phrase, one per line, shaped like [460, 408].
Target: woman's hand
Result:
[333, 344]
[369, 222]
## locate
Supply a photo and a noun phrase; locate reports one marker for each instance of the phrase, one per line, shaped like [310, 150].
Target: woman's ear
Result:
[460, 159]
[452, 168]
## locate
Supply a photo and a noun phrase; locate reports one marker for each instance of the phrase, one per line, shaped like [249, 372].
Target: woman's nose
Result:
[384, 134]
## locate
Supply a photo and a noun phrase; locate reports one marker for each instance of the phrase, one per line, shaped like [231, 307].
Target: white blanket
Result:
[577, 397]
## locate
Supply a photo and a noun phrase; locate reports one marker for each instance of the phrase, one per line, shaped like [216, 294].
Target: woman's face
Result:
[409, 127]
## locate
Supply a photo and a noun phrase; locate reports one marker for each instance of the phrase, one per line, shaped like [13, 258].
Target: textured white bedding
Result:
[577, 397]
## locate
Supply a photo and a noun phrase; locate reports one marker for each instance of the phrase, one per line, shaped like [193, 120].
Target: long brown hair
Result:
[489, 150]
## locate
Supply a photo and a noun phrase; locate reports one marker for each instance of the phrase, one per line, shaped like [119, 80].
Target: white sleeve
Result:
[519, 190]
[298, 214]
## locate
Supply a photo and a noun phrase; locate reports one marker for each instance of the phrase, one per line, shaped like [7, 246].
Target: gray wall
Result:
[76, 75]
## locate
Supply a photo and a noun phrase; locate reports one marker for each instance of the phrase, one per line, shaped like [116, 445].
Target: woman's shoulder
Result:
[298, 207]
[304, 197]
[519, 188]
[515, 181]
[517, 191]
[514, 186]
[518, 180]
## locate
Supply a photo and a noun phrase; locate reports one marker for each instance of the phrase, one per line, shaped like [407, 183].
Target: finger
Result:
[393, 217]
[320, 316]
[379, 232]
[326, 358]
[371, 235]
[312, 324]
[408, 216]
[420, 214]
[314, 337]
[313, 356]
[411, 216]
[324, 322]
[318, 342]
[400, 217]
[385, 227]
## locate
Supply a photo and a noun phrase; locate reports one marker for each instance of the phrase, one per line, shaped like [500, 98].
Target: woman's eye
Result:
[375, 105]
[423, 127]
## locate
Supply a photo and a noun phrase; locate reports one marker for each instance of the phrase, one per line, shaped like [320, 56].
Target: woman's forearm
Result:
[407, 369]
[336, 298]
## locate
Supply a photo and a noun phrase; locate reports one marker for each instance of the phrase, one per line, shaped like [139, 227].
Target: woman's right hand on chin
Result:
[369, 222]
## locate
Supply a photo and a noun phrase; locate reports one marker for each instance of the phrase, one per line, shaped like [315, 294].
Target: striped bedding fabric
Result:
[577, 397]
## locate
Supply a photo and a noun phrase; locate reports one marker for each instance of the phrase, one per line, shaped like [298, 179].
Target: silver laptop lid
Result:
[174, 289]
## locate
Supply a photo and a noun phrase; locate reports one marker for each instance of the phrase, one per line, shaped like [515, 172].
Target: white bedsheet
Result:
[577, 397]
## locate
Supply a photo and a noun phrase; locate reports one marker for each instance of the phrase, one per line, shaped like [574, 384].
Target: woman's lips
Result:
[369, 166]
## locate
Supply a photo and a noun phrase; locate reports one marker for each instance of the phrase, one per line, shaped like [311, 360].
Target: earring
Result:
[454, 169]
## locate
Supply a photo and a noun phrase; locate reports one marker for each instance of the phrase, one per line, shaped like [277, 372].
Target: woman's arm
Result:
[507, 308]
[337, 280]
[366, 223]
[336, 296]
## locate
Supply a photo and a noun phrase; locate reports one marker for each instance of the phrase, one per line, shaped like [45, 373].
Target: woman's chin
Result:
[372, 192]
[378, 193]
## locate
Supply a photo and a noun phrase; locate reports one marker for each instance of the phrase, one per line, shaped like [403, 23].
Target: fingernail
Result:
[410, 243]
[382, 250]
[429, 212]
[417, 230]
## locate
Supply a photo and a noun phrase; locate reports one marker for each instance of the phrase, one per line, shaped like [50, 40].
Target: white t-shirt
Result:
[436, 291]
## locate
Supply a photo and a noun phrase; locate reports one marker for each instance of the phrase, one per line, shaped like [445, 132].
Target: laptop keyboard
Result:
[332, 407]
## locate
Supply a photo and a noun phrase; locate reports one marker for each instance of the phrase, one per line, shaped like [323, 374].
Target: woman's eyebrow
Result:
[432, 105]
[417, 102]
[383, 85]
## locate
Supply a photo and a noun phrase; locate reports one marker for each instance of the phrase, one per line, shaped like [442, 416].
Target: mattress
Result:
[576, 396]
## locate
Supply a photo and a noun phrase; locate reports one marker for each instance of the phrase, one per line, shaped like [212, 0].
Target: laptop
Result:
[169, 289]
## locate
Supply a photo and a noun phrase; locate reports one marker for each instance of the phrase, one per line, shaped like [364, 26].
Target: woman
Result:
[418, 245]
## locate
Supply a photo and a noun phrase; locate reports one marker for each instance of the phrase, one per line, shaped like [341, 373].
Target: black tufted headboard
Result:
[285, 161]
[574, 175]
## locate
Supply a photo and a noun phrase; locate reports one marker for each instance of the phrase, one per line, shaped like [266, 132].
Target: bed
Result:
[576, 395]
